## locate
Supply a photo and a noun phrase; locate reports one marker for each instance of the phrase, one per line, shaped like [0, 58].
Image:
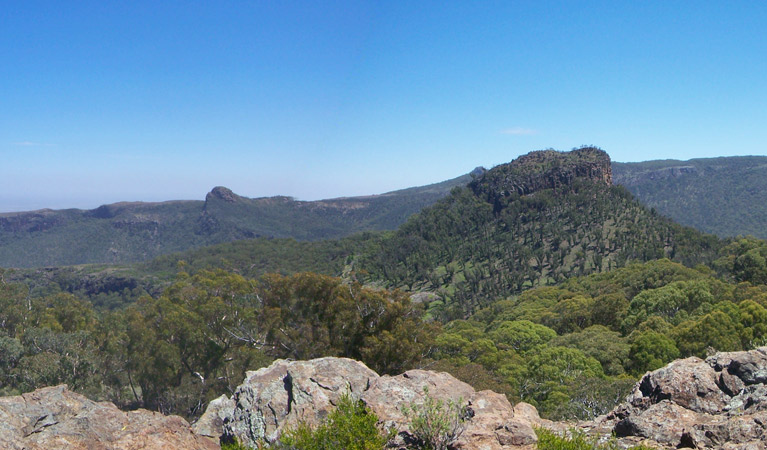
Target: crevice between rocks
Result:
[288, 384]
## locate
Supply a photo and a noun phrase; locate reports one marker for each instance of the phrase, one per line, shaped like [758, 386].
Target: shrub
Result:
[351, 426]
[435, 423]
[235, 445]
[548, 440]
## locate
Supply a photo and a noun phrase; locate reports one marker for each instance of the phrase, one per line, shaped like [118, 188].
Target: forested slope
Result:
[135, 232]
[540, 280]
[726, 196]
[538, 220]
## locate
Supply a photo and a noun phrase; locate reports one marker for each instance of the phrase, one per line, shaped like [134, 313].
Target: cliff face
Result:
[546, 169]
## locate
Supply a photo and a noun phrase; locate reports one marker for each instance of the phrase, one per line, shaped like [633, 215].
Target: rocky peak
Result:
[545, 169]
[289, 392]
[477, 172]
[221, 193]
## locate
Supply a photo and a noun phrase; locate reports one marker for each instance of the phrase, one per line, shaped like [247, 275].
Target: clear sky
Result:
[103, 101]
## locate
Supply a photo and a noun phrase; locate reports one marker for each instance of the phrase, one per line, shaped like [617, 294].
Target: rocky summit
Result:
[288, 392]
[544, 169]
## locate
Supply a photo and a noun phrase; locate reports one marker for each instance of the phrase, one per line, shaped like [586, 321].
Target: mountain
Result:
[544, 217]
[723, 196]
[130, 232]
[538, 220]
[726, 196]
[476, 270]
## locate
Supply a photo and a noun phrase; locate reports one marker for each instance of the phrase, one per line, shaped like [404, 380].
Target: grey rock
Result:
[665, 422]
[211, 423]
[720, 403]
[690, 383]
[288, 392]
[56, 418]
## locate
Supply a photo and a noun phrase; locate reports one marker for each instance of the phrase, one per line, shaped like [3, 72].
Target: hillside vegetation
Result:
[724, 196]
[536, 221]
[716, 195]
[540, 280]
[134, 232]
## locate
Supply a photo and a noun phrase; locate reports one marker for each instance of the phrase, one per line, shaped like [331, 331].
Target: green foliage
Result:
[236, 445]
[474, 247]
[745, 259]
[435, 423]
[548, 440]
[650, 350]
[636, 318]
[131, 232]
[673, 302]
[521, 335]
[599, 342]
[552, 370]
[725, 196]
[350, 426]
[194, 341]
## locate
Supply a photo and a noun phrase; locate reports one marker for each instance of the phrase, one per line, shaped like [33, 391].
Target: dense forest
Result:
[540, 280]
[176, 351]
[538, 221]
[724, 196]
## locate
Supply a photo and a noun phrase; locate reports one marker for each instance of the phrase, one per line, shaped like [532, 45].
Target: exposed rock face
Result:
[717, 403]
[55, 418]
[288, 392]
[221, 193]
[546, 169]
[285, 393]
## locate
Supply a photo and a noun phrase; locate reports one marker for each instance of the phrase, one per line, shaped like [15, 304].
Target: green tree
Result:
[650, 350]
[520, 335]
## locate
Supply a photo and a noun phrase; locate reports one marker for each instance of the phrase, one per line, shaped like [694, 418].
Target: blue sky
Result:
[106, 101]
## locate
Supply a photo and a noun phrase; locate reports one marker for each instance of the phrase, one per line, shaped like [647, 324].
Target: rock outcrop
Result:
[717, 403]
[546, 169]
[289, 392]
[56, 418]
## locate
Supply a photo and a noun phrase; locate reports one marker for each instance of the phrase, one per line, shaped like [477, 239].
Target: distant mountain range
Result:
[725, 196]
[132, 232]
[538, 220]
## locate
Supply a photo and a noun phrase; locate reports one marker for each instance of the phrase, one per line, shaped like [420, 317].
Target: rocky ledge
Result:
[56, 418]
[288, 392]
[691, 403]
[718, 403]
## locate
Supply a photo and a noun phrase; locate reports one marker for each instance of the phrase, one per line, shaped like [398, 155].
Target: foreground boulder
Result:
[717, 403]
[288, 392]
[56, 418]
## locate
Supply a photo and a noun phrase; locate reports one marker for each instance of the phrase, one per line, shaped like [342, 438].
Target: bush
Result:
[548, 440]
[351, 426]
[235, 445]
[434, 423]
